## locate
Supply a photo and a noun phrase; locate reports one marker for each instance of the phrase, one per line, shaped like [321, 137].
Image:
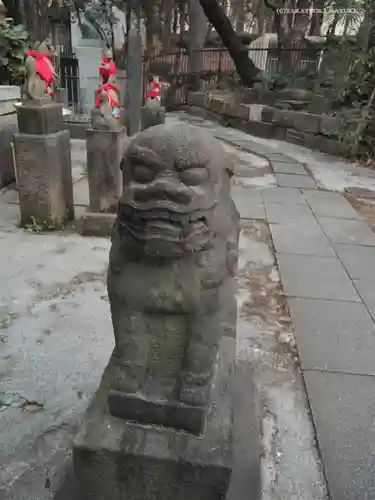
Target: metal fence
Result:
[77, 93]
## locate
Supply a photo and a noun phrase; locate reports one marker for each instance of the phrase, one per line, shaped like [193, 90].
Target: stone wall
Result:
[256, 113]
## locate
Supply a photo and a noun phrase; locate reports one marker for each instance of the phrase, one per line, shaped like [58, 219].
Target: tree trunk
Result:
[197, 35]
[167, 24]
[245, 67]
[317, 19]
[151, 26]
[261, 18]
[239, 15]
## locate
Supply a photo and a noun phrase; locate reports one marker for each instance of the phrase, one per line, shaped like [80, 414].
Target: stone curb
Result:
[96, 224]
[246, 149]
[262, 120]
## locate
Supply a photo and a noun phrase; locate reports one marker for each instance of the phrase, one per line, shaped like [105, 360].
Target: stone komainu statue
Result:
[39, 72]
[170, 279]
[107, 114]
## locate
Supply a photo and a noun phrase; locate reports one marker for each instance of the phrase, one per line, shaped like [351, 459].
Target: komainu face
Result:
[172, 177]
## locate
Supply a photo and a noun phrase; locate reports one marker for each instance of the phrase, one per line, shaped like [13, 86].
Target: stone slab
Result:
[299, 239]
[81, 192]
[96, 224]
[250, 145]
[320, 194]
[366, 289]
[352, 232]
[315, 277]
[9, 93]
[121, 460]
[343, 408]
[283, 117]
[331, 205]
[306, 122]
[334, 336]
[329, 146]
[282, 213]
[280, 167]
[259, 129]
[8, 126]
[295, 181]
[278, 157]
[196, 99]
[360, 192]
[248, 202]
[44, 178]
[40, 120]
[358, 261]
[284, 195]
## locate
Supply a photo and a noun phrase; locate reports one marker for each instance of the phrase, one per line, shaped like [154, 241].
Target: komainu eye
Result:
[194, 176]
[142, 173]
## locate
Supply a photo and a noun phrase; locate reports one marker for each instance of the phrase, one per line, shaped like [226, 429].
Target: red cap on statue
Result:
[107, 69]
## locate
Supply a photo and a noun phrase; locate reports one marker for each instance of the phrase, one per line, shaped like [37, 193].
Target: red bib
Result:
[44, 67]
[154, 91]
[111, 91]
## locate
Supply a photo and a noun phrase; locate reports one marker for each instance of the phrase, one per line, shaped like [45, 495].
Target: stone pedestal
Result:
[34, 118]
[152, 115]
[119, 460]
[105, 150]
[43, 165]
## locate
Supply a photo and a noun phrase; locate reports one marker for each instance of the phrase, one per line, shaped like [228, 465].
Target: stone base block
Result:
[44, 178]
[260, 129]
[196, 99]
[97, 224]
[105, 150]
[152, 116]
[37, 119]
[119, 460]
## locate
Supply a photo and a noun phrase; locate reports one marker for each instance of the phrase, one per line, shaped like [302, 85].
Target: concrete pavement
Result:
[325, 253]
[306, 307]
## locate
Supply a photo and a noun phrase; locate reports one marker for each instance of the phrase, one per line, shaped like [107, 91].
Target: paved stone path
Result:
[326, 257]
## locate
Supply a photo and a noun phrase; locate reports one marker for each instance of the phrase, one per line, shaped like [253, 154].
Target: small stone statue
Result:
[40, 72]
[107, 114]
[154, 93]
[173, 256]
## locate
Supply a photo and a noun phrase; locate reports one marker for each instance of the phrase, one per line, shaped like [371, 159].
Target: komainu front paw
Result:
[127, 378]
[195, 389]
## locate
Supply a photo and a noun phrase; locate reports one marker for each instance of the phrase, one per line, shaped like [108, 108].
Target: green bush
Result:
[14, 42]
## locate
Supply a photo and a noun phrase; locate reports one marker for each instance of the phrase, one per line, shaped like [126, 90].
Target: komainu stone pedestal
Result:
[151, 115]
[119, 460]
[160, 426]
[43, 165]
[105, 150]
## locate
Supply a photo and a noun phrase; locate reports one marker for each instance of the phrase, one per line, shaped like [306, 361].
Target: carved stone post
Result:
[152, 114]
[43, 165]
[160, 425]
[106, 142]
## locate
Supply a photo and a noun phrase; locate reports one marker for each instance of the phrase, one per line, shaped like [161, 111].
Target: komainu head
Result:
[173, 179]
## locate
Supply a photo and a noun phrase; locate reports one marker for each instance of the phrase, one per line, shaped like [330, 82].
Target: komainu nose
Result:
[165, 189]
